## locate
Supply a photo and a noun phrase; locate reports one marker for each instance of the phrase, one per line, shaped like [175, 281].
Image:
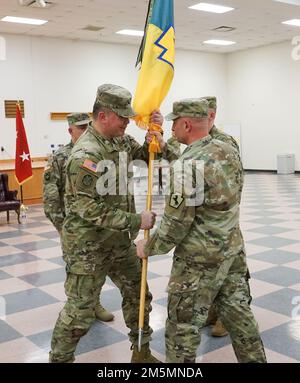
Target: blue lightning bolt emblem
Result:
[166, 43]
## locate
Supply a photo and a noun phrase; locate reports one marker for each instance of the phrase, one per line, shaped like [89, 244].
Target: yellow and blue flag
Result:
[157, 56]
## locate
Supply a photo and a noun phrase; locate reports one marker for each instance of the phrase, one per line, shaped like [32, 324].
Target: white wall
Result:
[53, 75]
[257, 88]
[264, 97]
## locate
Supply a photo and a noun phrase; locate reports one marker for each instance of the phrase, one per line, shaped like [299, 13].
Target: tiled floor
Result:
[32, 276]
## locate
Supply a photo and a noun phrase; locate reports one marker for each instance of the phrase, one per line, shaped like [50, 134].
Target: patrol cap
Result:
[190, 107]
[212, 101]
[115, 98]
[78, 119]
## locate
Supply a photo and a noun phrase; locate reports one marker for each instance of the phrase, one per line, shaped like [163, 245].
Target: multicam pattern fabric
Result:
[212, 101]
[209, 264]
[97, 240]
[115, 98]
[78, 119]
[54, 186]
[174, 145]
[190, 107]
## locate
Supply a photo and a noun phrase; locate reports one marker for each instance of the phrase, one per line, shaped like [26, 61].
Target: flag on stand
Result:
[157, 56]
[23, 169]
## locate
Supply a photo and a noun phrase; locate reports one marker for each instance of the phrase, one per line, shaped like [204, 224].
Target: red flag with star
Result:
[23, 169]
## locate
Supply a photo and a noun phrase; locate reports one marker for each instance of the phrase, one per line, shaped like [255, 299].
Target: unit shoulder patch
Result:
[176, 200]
[87, 180]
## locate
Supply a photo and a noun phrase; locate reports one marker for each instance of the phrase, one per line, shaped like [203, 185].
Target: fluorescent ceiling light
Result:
[130, 32]
[22, 20]
[292, 2]
[206, 7]
[219, 42]
[295, 22]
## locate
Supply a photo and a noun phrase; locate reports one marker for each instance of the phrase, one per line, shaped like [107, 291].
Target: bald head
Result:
[190, 129]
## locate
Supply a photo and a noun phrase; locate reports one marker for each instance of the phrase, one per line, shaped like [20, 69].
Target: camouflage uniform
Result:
[209, 263]
[54, 186]
[224, 137]
[55, 176]
[98, 234]
[175, 145]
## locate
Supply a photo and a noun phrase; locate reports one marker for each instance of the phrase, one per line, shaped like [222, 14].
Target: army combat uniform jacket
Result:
[209, 263]
[54, 186]
[202, 233]
[98, 222]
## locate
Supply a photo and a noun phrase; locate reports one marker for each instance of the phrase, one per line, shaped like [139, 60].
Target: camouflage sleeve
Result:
[178, 217]
[171, 151]
[235, 144]
[53, 208]
[91, 206]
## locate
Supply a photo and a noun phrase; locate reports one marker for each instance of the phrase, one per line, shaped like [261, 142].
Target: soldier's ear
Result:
[188, 125]
[102, 117]
[212, 115]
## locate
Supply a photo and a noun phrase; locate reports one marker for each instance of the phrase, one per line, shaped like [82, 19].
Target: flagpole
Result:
[145, 260]
[23, 170]
[21, 186]
[21, 191]
[157, 70]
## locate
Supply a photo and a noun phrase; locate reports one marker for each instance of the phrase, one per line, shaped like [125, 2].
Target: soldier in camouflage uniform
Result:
[209, 265]
[218, 329]
[213, 130]
[54, 186]
[99, 229]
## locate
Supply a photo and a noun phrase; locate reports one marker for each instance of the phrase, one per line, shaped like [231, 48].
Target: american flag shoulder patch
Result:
[90, 165]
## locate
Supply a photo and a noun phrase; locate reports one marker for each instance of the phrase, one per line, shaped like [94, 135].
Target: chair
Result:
[8, 198]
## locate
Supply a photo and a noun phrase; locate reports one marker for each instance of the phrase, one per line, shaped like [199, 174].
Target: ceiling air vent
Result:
[92, 28]
[223, 28]
[36, 3]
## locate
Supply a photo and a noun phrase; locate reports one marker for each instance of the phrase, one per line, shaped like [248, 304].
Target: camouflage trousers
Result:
[191, 292]
[82, 291]
[213, 309]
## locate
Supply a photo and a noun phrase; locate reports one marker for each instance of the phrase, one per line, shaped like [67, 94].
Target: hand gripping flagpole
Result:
[153, 148]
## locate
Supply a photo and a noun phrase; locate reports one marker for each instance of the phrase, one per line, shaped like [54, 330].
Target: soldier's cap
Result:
[78, 119]
[212, 101]
[190, 107]
[115, 98]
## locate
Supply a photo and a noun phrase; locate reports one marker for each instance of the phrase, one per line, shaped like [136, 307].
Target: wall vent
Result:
[10, 108]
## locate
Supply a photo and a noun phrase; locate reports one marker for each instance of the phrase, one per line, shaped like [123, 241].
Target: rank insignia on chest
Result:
[90, 165]
[176, 200]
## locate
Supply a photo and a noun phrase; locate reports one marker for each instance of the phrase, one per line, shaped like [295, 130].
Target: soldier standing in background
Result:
[218, 329]
[54, 186]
